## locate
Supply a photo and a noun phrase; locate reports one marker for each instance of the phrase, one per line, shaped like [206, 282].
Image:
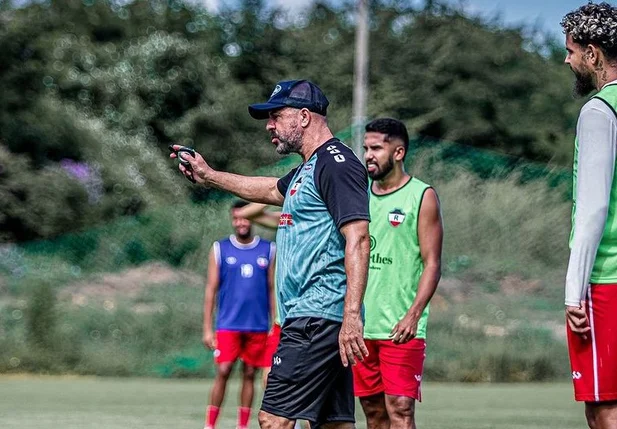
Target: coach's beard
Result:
[289, 145]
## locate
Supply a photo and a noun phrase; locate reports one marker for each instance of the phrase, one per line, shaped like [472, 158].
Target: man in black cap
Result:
[323, 251]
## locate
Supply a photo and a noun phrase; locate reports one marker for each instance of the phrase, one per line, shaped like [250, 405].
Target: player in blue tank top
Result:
[240, 285]
[324, 242]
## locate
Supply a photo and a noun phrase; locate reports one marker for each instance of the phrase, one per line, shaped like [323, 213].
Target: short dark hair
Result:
[391, 128]
[238, 204]
[594, 24]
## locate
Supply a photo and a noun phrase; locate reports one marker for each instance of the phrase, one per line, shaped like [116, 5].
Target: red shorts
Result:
[390, 368]
[248, 346]
[272, 344]
[594, 361]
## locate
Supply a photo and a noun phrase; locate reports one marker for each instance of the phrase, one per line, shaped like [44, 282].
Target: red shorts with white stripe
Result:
[394, 369]
[594, 360]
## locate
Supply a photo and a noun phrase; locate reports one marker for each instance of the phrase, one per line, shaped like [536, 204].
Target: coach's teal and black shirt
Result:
[321, 195]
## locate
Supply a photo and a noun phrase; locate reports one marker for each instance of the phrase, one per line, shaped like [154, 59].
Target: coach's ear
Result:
[305, 117]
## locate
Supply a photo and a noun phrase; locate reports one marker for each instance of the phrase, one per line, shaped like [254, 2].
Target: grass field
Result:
[77, 403]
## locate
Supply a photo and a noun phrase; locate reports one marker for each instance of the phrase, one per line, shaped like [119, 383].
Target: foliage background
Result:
[104, 244]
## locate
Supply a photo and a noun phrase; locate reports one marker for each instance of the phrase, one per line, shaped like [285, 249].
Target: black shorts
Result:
[308, 380]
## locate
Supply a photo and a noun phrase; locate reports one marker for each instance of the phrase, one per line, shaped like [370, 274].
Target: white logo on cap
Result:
[277, 89]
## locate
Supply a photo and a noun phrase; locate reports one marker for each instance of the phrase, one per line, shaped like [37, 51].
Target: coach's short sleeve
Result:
[342, 182]
[284, 182]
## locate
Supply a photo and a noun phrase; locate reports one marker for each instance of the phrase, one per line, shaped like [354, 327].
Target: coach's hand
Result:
[351, 339]
[577, 320]
[199, 171]
[405, 330]
[210, 340]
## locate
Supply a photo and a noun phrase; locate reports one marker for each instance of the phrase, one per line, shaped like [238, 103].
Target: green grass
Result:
[77, 403]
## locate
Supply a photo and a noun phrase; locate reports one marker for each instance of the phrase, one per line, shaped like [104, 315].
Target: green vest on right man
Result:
[396, 265]
[605, 266]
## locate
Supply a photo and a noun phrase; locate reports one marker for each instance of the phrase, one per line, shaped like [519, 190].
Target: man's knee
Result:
[266, 420]
[601, 415]
[374, 407]
[263, 418]
[270, 421]
[223, 370]
[590, 415]
[401, 408]
[248, 372]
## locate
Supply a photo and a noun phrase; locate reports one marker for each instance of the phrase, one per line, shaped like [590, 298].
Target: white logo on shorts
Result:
[576, 375]
[217, 353]
[276, 360]
[418, 378]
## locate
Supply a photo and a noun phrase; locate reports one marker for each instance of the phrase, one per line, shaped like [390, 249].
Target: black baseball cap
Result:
[292, 93]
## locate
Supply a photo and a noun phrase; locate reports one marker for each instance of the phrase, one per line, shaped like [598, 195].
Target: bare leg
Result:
[270, 421]
[401, 410]
[375, 410]
[248, 386]
[217, 393]
[264, 379]
[601, 415]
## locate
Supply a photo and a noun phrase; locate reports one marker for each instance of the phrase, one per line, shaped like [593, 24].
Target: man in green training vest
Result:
[591, 279]
[405, 267]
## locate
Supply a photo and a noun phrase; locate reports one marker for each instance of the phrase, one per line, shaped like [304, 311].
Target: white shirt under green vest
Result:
[396, 265]
[593, 240]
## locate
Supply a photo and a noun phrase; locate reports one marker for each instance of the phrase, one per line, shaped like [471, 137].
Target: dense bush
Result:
[93, 92]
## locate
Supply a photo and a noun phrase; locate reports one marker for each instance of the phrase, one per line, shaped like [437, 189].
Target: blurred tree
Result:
[466, 80]
[93, 91]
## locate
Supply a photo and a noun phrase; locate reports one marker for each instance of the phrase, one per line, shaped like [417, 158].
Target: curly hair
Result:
[594, 24]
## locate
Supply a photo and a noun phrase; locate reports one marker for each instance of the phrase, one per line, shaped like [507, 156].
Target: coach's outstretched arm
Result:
[256, 212]
[251, 188]
[357, 250]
